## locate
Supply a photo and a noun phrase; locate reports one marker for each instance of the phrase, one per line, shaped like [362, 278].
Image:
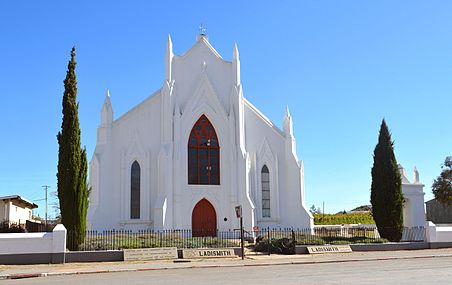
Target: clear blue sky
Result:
[341, 66]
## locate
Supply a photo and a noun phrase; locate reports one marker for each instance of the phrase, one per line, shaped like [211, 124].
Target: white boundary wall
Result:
[438, 233]
[34, 245]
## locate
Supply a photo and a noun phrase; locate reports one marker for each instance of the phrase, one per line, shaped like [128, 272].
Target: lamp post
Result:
[238, 213]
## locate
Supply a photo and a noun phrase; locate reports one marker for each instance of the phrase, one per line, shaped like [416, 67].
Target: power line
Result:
[37, 200]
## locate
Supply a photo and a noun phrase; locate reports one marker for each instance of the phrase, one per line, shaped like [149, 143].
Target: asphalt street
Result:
[433, 270]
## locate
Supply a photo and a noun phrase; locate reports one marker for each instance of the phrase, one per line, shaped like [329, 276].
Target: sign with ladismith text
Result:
[208, 253]
[329, 249]
[150, 253]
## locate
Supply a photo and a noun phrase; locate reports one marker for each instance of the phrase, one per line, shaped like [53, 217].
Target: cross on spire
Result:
[202, 29]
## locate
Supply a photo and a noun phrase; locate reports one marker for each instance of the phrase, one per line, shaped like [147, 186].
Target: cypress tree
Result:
[386, 190]
[72, 164]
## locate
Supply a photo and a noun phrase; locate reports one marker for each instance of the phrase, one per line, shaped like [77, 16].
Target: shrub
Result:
[280, 245]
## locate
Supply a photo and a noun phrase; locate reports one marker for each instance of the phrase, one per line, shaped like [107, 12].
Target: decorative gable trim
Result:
[205, 42]
[205, 93]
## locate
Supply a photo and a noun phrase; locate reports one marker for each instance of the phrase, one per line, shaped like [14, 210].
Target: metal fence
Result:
[123, 239]
[33, 227]
[415, 234]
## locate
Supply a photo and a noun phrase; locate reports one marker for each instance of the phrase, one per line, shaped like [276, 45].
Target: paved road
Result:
[437, 270]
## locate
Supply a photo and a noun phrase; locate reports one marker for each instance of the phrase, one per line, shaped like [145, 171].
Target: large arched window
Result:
[203, 154]
[135, 173]
[265, 183]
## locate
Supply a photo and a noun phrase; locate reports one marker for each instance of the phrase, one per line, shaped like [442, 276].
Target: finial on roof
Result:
[107, 101]
[202, 35]
[169, 41]
[169, 58]
[235, 55]
[288, 125]
[415, 176]
[202, 29]
[106, 117]
[287, 111]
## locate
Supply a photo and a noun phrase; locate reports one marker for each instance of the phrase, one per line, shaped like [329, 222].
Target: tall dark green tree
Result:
[386, 190]
[72, 164]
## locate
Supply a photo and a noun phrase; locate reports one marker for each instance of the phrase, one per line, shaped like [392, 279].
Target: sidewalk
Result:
[27, 271]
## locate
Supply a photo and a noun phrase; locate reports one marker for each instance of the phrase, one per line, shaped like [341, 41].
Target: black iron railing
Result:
[125, 239]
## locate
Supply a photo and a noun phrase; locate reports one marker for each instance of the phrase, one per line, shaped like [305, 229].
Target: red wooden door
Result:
[204, 220]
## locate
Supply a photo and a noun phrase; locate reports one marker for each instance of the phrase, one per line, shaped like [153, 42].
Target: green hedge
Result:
[339, 219]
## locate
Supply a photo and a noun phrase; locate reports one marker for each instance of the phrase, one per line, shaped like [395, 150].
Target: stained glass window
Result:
[135, 190]
[265, 180]
[203, 154]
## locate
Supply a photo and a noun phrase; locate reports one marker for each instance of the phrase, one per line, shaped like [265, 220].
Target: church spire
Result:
[169, 58]
[415, 176]
[236, 65]
[288, 124]
[236, 52]
[291, 148]
[106, 120]
[287, 111]
[106, 117]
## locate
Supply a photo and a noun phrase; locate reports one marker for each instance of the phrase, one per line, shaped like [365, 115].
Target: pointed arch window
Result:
[203, 154]
[265, 186]
[135, 177]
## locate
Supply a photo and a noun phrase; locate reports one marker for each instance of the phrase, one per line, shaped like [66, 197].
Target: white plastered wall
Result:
[414, 206]
[155, 133]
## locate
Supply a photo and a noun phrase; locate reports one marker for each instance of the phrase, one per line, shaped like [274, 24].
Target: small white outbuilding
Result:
[16, 209]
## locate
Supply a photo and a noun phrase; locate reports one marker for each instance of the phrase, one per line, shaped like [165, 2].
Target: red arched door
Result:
[204, 220]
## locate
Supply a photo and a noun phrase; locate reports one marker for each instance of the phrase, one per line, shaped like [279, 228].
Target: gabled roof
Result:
[136, 107]
[263, 117]
[20, 199]
[202, 40]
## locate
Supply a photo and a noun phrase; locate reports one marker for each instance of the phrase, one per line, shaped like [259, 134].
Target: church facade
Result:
[190, 153]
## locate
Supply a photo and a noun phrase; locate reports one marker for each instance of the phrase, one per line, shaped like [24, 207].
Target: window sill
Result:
[204, 185]
[135, 222]
[264, 220]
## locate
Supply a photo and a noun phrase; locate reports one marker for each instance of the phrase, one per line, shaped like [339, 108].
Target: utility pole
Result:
[45, 188]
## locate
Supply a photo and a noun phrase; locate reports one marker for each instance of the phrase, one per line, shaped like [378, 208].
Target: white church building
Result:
[186, 156]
